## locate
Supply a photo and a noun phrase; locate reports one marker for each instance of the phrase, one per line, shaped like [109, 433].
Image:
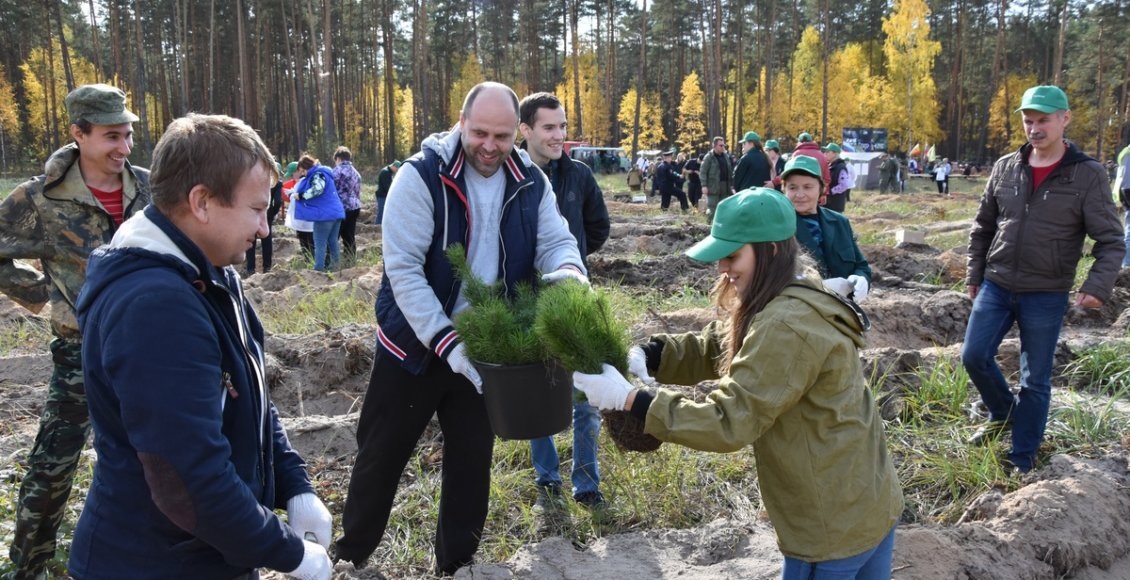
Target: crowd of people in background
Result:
[189, 476]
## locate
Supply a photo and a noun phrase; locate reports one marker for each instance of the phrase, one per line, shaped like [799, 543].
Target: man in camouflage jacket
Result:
[59, 218]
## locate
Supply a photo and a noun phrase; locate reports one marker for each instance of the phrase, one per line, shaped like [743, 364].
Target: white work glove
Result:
[315, 564]
[459, 363]
[840, 286]
[637, 365]
[310, 518]
[565, 274]
[861, 287]
[607, 391]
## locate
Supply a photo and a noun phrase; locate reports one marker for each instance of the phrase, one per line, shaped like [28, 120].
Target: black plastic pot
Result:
[528, 401]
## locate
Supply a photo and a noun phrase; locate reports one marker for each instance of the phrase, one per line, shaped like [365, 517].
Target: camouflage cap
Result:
[99, 104]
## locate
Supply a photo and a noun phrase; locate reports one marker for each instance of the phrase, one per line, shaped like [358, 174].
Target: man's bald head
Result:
[493, 90]
[488, 126]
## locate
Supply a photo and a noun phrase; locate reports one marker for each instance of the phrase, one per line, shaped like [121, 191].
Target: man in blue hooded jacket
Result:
[192, 459]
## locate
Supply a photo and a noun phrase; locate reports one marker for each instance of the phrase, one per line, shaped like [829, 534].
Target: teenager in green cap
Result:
[825, 234]
[789, 384]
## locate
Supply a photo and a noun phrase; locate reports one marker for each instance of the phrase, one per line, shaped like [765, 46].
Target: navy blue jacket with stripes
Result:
[525, 190]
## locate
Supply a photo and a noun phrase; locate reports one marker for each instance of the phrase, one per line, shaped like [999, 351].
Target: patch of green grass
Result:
[9, 497]
[28, 334]
[7, 184]
[318, 310]
[672, 487]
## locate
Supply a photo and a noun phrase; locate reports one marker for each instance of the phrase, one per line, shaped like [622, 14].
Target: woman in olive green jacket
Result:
[789, 384]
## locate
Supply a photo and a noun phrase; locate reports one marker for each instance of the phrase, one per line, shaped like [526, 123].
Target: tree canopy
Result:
[379, 75]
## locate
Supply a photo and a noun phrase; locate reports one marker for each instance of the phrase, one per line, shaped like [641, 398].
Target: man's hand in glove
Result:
[565, 274]
[607, 391]
[315, 564]
[840, 286]
[458, 361]
[637, 365]
[860, 287]
[310, 518]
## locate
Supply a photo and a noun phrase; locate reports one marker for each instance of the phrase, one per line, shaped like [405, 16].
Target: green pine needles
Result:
[496, 330]
[567, 321]
[578, 327]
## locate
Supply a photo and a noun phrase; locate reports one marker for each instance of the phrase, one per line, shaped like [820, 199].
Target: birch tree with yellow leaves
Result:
[912, 112]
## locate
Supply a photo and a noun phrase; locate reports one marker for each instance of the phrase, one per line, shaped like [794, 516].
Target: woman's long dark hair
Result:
[776, 265]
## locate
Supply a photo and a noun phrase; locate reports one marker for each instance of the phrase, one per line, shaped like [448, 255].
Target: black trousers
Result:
[398, 406]
[267, 243]
[306, 242]
[837, 202]
[348, 234]
[665, 199]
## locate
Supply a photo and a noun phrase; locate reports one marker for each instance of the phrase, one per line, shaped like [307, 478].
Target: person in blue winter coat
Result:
[317, 201]
[192, 459]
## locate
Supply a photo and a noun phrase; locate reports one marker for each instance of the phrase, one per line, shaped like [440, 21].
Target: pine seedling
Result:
[578, 327]
[496, 329]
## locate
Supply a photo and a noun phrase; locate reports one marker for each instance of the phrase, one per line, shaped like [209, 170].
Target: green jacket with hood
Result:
[796, 392]
[54, 218]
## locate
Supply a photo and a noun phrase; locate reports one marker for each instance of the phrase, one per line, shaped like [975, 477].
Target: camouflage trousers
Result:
[63, 429]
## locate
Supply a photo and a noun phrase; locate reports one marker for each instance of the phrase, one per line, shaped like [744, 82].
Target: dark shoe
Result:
[593, 500]
[549, 499]
[989, 432]
[1012, 469]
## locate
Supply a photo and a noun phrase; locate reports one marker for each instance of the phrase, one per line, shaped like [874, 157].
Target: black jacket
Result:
[581, 202]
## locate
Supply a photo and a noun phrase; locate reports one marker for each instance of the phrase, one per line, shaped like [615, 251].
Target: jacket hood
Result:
[57, 165]
[840, 312]
[146, 240]
[448, 145]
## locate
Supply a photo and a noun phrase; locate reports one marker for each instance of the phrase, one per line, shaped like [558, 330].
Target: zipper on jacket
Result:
[256, 363]
[501, 242]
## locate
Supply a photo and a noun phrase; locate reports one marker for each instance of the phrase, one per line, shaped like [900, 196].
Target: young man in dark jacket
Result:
[469, 186]
[753, 168]
[669, 182]
[192, 459]
[543, 125]
[87, 188]
[1039, 204]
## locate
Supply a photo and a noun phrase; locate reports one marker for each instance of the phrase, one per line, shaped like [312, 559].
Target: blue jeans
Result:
[380, 211]
[586, 472]
[1039, 316]
[874, 564]
[325, 237]
[1126, 259]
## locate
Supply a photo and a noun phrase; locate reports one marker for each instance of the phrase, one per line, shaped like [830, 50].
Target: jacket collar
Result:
[63, 179]
[449, 146]
[1071, 156]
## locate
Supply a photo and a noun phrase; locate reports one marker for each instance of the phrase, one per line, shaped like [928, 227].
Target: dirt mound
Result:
[321, 374]
[1070, 519]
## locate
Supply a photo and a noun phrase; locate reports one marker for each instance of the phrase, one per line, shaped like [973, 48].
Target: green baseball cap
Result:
[290, 169]
[833, 148]
[804, 137]
[1045, 99]
[773, 144]
[757, 214]
[751, 137]
[98, 104]
[803, 164]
